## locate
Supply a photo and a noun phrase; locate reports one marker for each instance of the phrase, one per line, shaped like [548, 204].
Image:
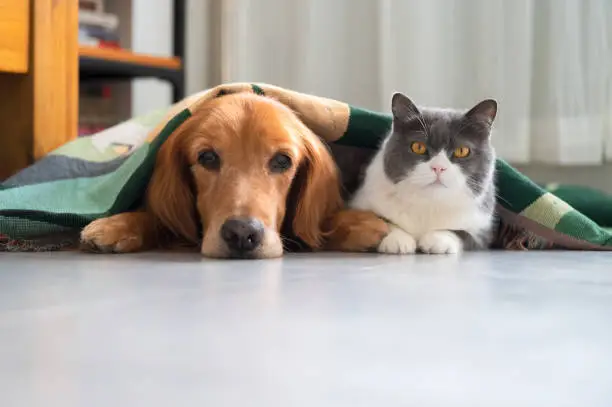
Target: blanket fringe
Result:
[50, 244]
[512, 237]
[508, 237]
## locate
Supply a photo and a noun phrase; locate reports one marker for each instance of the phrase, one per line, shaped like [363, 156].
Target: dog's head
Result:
[229, 169]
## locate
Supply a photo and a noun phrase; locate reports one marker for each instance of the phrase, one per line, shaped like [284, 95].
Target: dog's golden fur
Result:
[246, 131]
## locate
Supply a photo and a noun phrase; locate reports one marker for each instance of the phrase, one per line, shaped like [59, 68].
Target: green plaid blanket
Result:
[44, 206]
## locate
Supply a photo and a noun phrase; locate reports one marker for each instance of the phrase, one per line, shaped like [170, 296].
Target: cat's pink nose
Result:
[438, 169]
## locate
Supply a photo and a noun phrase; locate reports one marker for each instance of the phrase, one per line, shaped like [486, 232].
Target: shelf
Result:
[103, 63]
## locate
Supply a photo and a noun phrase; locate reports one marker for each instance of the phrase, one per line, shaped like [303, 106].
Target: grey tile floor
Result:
[490, 329]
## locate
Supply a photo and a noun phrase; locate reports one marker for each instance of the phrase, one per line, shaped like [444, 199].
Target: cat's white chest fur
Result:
[421, 216]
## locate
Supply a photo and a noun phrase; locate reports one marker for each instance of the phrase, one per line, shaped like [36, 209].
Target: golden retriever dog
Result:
[232, 178]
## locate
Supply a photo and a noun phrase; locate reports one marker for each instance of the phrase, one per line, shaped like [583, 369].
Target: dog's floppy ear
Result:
[319, 195]
[170, 197]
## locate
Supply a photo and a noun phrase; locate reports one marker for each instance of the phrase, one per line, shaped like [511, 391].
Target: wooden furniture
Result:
[87, 54]
[40, 64]
[14, 36]
[38, 79]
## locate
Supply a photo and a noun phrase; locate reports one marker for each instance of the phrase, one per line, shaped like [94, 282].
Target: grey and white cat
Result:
[433, 179]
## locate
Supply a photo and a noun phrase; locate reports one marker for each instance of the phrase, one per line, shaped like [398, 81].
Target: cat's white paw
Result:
[440, 242]
[398, 242]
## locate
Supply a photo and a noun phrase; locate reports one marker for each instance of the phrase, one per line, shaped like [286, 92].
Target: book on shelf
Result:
[97, 109]
[96, 27]
[104, 20]
[92, 5]
[98, 37]
[97, 104]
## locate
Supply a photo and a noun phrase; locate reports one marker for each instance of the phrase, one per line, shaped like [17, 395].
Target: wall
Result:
[203, 41]
[199, 48]
[151, 34]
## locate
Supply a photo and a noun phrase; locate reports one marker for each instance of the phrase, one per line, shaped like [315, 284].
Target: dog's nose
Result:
[242, 235]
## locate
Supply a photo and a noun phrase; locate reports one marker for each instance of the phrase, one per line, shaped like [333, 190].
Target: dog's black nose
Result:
[242, 235]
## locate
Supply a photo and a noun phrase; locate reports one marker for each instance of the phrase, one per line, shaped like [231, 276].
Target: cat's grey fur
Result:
[395, 187]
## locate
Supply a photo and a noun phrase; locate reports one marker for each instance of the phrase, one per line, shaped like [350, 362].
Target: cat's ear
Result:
[484, 111]
[402, 107]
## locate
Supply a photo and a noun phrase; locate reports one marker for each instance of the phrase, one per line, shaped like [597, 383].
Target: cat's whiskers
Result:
[420, 119]
[421, 176]
[498, 197]
[419, 179]
[477, 184]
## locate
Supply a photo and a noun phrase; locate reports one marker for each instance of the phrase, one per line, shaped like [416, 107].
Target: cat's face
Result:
[440, 150]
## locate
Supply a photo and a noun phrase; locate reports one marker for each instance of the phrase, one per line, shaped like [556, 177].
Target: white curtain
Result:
[547, 62]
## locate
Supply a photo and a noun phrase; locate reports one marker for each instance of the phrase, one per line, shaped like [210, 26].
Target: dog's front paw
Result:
[355, 230]
[397, 242]
[111, 235]
[440, 242]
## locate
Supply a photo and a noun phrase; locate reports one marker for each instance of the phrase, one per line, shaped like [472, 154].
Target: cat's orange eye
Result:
[461, 152]
[418, 147]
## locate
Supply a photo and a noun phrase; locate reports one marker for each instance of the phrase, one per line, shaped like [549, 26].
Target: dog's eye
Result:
[209, 159]
[280, 162]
